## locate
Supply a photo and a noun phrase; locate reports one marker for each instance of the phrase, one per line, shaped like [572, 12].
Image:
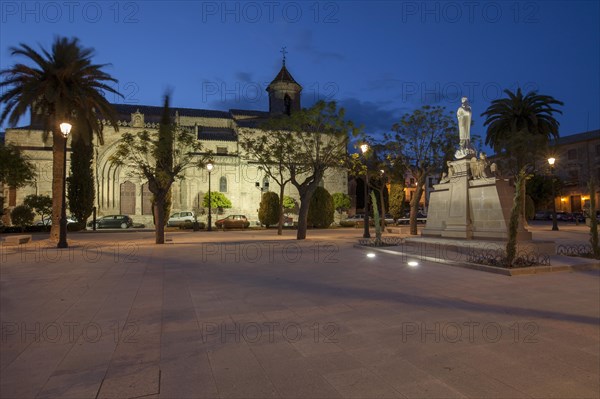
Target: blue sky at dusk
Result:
[377, 59]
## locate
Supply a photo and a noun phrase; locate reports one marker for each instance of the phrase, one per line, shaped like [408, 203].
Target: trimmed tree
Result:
[341, 202]
[40, 204]
[217, 200]
[289, 204]
[268, 212]
[21, 216]
[397, 200]
[80, 185]
[320, 211]
[160, 158]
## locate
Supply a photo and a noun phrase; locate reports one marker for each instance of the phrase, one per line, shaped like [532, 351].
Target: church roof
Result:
[284, 76]
[152, 112]
[216, 134]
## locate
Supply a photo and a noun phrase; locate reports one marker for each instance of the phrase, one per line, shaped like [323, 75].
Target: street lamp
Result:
[65, 129]
[551, 161]
[364, 148]
[209, 167]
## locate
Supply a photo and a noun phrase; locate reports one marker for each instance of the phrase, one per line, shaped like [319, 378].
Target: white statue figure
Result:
[464, 123]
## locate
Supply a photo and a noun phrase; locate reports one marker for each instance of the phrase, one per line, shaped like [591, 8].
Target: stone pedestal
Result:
[468, 208]
[458, 218]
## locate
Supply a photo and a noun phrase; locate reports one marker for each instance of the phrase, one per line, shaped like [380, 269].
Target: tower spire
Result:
[284, 52]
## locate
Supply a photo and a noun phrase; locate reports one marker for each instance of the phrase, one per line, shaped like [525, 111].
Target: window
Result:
[223, 184]
[221, 150]
[431, 182]
[573, 175]
[598, 150]
[287, 102]
[412, 181]
[572, 154]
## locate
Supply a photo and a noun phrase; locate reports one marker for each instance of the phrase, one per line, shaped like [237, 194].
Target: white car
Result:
[47, 221]
[181, 219]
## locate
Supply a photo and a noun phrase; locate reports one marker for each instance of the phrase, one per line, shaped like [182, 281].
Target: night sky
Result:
[379, 60]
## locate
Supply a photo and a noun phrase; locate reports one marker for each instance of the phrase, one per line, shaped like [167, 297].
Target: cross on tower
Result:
[284, 52]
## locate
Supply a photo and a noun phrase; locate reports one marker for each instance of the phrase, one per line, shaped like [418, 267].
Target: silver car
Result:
[180, 219]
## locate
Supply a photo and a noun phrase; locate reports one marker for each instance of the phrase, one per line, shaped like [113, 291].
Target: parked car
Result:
[389, 219]
[113, 222]
[47, 221]
[421, 218]
[181, 219]
[232, 222]
[543, 215]
[562, 216]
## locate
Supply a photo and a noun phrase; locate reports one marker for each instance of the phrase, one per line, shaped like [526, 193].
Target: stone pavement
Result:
[247, 314]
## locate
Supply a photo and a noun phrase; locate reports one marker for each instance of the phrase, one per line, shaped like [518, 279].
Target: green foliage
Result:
[341, 202]
[592, 187]
[511, 245]
[289, 204]
[40, 204]
[422, 142]
[539, 188]
[21, 216]
[217, 200]
[520, 126]
[320, 211]
[15, 169]
[268, 212]
[309, 142]
[80, 185]
[160, 158]
[397, 200]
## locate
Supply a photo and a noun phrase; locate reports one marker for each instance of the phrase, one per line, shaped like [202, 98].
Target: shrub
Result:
[320, 210]
[40, 204]
[289, 204]
[341, 202]
[268, 212]
[22, 216]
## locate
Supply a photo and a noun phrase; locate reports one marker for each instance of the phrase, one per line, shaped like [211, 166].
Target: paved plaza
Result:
[248, 314]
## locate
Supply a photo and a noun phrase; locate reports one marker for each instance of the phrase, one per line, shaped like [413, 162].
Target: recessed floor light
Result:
[413, 263]
[370, 255]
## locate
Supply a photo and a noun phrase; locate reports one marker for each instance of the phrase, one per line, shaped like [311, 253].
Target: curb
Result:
[521, 271]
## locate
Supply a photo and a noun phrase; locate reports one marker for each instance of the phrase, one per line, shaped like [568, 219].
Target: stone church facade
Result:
[234, 174]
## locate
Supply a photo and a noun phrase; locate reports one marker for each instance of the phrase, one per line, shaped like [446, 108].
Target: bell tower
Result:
[284, 92]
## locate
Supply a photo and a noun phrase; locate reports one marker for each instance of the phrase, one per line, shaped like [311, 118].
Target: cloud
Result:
[306, 45]
[244, 77]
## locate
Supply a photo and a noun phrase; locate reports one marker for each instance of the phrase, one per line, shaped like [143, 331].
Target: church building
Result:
[236, 176]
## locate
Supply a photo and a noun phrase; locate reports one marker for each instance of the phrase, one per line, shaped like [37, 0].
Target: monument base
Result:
[465, 207]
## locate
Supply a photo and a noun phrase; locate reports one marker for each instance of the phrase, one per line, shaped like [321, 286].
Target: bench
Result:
[16, 240]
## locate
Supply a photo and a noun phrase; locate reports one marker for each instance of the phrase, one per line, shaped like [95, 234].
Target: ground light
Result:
[412, 263]
[370, 255]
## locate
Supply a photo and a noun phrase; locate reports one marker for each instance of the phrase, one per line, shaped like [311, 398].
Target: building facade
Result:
[234, 174]
[577, 160]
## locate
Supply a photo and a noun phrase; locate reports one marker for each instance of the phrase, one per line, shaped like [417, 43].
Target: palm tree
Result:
[515, 121]
[519, 127]
[60, 85]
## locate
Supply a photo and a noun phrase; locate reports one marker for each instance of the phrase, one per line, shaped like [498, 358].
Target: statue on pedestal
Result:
[463, 114]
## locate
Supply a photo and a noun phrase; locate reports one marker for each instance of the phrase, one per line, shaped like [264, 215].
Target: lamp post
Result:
[209, 167]
[551, 161]
[364, 148]
[65, 129]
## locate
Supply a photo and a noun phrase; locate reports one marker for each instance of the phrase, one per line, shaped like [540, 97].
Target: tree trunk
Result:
[280, 225]
[414, 208]
[58, 145]
[303, 215]
[159, 212]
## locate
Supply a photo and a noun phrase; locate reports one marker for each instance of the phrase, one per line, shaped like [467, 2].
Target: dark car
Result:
[113, 222]
[233, 222]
